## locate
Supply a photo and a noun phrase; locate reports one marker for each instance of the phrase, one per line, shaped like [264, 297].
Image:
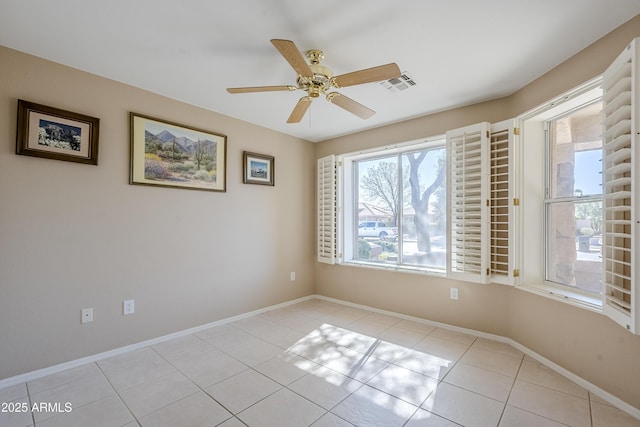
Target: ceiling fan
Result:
[316, 80]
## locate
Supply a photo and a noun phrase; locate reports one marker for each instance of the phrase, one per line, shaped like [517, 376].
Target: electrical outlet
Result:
[128, 307]
[454, 294]
[293, 276]
[86, 315]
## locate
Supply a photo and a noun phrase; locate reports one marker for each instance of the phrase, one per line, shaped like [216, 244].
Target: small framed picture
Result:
[258, 169]
[57, 134]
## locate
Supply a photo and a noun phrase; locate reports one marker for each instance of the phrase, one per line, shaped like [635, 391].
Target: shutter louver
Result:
[502, 196]
[467, 203]
[326, 210]
[620, 192]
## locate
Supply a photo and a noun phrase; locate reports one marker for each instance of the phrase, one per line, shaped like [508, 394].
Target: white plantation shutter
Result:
[621, 120]
[327, 210]
[467, 203]
[502, 203]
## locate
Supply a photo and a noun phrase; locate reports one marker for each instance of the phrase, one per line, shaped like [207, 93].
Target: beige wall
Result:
[413, 294]
[75, 236]
[586, 343]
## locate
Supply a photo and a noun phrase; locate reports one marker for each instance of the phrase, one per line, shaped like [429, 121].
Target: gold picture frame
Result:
[168, 154]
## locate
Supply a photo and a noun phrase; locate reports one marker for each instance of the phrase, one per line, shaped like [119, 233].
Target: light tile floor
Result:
[313, 363]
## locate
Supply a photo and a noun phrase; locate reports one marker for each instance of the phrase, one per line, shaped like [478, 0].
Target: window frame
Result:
[350, 201]
[534, 193]
[550, 201]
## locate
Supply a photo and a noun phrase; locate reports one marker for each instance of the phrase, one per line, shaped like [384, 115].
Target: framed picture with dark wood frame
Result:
[169, 154]
[258, 168]
[53, 133]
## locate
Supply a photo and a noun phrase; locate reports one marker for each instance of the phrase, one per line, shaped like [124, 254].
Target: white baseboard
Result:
[592, 388]
[30, 376]
[604, 395]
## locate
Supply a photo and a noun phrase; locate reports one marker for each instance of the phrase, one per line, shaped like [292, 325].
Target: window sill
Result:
[567, 296]
[399, 268]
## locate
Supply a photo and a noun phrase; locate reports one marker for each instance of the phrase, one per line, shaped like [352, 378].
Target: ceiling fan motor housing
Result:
[317, 84]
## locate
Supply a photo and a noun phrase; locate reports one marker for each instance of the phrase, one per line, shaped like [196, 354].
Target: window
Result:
[398, 209]
[573, 203]
[392, 207]
[562, 197]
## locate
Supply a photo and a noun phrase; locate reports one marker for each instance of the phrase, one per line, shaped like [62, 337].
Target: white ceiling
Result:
[458, 51]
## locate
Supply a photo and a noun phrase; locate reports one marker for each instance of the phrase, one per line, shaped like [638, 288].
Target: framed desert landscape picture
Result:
[169, 154]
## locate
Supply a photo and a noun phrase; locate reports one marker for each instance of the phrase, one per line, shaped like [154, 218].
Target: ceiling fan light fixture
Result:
[315, 91]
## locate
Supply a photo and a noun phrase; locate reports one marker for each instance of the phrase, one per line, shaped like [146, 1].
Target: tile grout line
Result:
[254, 403]
[201, 389]
[458, 361]
[320, 318]
[590, 408]
[338, 403]
[556, 390]
[282, 387]
[549, 388]
[327, 411]
[117, 393]
[419, 406]
[233, 415]
[440, 381]
[67, 383]
[33, 417]
[506, 402]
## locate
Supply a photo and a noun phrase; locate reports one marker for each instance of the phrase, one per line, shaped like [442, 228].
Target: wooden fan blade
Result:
[259, 89]
[373, 74]
[293, 56]
[350, 105]
[298, 111]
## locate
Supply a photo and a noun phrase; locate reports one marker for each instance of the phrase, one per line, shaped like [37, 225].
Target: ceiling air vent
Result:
[405, 81]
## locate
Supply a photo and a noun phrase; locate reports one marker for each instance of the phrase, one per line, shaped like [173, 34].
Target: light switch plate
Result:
[87, 315]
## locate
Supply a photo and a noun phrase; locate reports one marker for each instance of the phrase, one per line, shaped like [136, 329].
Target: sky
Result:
[155, 128]
[586, 162]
